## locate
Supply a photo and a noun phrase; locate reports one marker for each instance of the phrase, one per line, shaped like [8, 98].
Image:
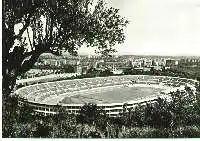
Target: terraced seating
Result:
[41, 91]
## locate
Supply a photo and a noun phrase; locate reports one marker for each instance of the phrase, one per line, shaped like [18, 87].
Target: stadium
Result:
[109, 93]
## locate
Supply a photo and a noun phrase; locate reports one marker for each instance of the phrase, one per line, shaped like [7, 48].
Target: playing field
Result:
[111, 94]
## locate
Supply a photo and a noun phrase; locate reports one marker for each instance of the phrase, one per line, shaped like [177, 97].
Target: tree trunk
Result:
[8, 82]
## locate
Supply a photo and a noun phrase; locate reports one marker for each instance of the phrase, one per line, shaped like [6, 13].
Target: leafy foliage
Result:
[88, 113]
[50, 26]
[55, 26]
[177, 117]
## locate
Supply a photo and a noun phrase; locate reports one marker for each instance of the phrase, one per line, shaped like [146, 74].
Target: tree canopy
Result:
[53, 26]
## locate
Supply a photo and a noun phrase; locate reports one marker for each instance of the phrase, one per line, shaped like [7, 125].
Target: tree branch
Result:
[59, 34]
[27, 23]
[26, 54]
[51, 29]
[34, 35]
[52, 52]
[28, 64]
[29, 39]
[46, 29]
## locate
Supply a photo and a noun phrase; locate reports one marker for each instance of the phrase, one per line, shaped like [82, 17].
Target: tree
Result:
[9, 109]
[106, 72]
[88, 113]
[25, 113]
[52, 26]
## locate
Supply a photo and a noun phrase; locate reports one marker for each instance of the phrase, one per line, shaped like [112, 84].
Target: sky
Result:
[158, 27]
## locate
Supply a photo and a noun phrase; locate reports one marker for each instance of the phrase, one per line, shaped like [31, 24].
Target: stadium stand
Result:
[38, 95]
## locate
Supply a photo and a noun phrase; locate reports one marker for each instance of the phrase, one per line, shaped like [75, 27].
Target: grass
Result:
[112, 94]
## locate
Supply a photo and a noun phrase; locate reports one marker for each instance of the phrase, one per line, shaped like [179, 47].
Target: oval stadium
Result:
[109, 93]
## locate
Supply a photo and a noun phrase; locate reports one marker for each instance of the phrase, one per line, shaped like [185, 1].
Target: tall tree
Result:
[52, 26]
[88, 113]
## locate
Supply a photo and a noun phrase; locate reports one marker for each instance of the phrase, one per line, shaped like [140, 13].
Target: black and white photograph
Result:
[100, 69]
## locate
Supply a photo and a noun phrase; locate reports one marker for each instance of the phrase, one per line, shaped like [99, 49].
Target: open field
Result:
[111, 94]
